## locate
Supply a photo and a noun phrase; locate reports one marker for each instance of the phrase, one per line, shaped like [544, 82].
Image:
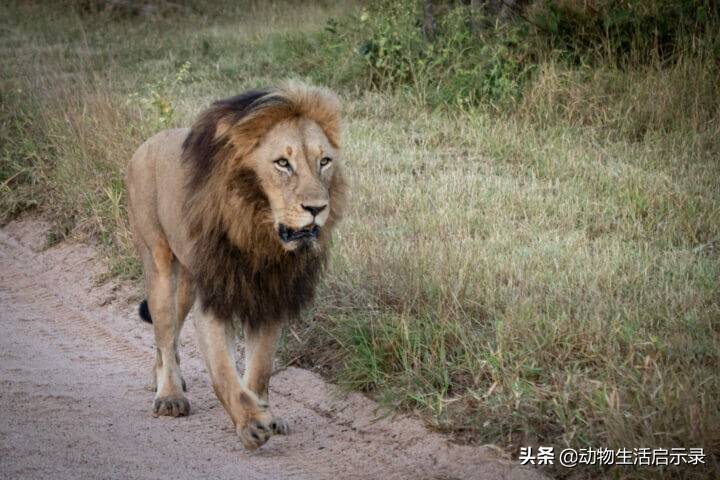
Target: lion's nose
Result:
[314, 210]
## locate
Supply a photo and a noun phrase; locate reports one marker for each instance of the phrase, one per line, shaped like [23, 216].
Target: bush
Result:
[627, 34]
[384, 47]
[490, 57]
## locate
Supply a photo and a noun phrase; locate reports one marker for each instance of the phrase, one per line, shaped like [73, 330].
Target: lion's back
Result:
[155, 188]
[164, 147]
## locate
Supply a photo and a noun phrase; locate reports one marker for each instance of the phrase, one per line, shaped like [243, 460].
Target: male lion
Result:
[237, 211]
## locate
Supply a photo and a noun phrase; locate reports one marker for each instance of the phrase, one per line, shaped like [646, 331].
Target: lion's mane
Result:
[239, 267]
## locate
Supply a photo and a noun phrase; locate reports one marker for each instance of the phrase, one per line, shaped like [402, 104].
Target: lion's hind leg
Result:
[160, 272]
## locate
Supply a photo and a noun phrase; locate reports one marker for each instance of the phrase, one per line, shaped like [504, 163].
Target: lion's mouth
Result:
[288, 234]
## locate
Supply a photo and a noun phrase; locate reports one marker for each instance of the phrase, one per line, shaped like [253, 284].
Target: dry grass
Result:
[548, 276]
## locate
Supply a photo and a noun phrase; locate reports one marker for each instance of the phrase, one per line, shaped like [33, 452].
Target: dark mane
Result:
[201, 147]
[238, 265]
[232, 286]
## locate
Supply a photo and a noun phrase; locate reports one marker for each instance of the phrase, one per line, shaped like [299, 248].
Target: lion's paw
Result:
[280, 426]
[173, 406]
[256, 433]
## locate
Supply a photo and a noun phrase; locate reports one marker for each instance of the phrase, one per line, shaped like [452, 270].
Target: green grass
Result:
[541, 271]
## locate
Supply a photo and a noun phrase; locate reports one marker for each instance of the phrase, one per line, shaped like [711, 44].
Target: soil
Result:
[74, 368]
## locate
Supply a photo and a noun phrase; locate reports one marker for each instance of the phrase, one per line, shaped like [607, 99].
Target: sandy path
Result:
[74, 362]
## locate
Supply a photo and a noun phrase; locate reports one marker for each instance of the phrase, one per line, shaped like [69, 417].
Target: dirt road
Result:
[75, 362]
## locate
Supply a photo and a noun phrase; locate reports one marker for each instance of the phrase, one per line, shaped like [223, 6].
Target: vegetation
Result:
[530, 254]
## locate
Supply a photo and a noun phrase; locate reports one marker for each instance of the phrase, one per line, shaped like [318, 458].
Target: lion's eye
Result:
[325, 161]
[283, 163]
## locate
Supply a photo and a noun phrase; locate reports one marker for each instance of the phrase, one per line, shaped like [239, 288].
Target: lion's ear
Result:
[226, 132]
[221, 128]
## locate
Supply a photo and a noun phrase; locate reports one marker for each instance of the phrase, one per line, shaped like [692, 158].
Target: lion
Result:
[234, 217]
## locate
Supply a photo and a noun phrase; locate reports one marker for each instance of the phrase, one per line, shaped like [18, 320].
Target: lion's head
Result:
[274, 154]
[264, 192]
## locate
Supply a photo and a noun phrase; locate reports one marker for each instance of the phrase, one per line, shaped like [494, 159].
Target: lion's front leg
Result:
[250, 415]
[260, 346]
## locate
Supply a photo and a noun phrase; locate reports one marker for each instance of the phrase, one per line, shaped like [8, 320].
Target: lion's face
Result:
[294, 163]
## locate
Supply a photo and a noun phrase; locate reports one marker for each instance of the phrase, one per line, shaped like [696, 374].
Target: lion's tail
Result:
[144, 311]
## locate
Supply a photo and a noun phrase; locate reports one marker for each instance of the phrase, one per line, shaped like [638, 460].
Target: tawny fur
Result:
[205, 205]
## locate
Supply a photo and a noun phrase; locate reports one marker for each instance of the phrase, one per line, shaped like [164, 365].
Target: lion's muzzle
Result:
[288, 234]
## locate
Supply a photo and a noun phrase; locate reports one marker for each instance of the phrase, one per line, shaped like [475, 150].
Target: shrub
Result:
[490, 57]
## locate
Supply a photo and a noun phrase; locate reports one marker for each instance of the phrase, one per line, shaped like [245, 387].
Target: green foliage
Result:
[19, 154]
[384, 47]
[458, 65]
[474, 58]
[627, 33]
[158, 96]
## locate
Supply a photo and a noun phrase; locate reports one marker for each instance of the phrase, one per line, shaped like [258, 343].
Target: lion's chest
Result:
[233, 286]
